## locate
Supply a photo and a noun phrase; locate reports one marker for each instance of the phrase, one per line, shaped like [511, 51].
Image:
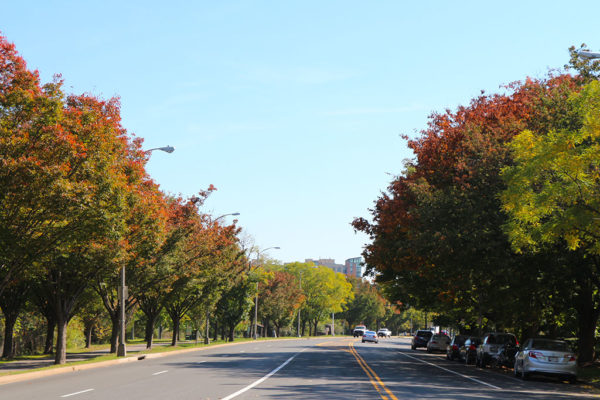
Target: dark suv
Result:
[491, 345]
[421, 338]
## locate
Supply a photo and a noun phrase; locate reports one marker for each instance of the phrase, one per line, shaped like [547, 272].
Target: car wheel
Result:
[363, 341]
[413, 347]
[572, 380]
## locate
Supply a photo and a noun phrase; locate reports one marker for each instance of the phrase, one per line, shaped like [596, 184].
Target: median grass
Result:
[161, 346]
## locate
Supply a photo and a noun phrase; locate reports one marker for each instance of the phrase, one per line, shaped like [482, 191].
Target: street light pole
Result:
[123, 292]
[258, 253]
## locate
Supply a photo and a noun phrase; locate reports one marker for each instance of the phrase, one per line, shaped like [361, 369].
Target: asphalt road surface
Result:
[328, 368]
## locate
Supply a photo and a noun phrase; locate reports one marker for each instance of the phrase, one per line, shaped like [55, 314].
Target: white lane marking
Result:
[200, 362]
[243, 351]
[452, 372]
[160, 372]
[73, 394]
[261, 380]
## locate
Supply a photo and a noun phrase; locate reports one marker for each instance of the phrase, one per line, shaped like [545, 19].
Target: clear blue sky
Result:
[292, 109]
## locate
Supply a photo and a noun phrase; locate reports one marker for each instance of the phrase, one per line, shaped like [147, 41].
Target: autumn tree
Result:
[280, 298]
[552, 197]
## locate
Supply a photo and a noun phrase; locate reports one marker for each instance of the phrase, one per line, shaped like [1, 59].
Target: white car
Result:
[546, 357]
[384, 332]
[370, 336]
[438, 342]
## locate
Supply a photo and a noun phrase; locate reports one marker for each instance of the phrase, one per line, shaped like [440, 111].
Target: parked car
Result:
[359, 330]
[384, 332]
[453, 348]
[491, 346]
[370, 336]
[438, 342]
[421, 338]
[546, 357]
[468, 351]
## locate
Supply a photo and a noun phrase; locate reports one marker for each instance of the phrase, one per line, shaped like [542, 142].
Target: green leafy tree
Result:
[552, 196]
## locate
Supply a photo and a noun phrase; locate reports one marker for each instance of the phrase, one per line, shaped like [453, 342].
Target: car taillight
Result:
[454, 347]
[535, 354]
[571, 357]
[517, 343]
[472, 347]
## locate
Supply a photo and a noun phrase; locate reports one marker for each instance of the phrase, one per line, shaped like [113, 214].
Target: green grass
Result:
[155, 349]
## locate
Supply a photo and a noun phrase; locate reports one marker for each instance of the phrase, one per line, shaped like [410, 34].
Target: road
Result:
[329, 368]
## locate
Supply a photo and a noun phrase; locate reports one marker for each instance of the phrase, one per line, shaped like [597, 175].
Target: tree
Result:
[326, 291]
[280, 298]
[552, 196]
[367, 306]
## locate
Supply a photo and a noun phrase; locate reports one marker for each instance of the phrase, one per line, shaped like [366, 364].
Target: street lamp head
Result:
[277, 248]
[587, 54]
[166, 149]
[235, 214]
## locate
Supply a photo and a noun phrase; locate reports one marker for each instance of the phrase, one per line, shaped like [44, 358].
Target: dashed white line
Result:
[452, 372]
[160, 372]
[73, 394]
[261, 380]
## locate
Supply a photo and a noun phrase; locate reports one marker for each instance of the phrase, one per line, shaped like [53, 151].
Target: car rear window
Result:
[552, 345]
[504, 339]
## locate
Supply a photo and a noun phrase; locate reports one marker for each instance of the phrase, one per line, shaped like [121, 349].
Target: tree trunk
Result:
[231, 331]
[588, 319]
[149, 331]
[9, 326]
[50, 326]
[88, 336]
[61, 341]
[114, 334]
[175, 330]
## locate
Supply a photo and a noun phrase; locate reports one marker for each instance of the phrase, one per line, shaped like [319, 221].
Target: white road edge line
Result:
[73, 394]
[452, 372]
[160, 372]
[261, 380]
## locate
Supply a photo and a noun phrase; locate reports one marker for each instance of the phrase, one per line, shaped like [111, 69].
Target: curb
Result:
[6, 379]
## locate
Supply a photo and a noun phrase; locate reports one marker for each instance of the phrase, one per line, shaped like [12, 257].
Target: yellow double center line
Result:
[375, 381]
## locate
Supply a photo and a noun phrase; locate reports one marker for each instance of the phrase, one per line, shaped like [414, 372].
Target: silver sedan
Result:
[546, 357]
[370, 336]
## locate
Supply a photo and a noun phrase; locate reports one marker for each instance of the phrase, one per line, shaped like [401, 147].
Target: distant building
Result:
[353, 267]
[328, 262]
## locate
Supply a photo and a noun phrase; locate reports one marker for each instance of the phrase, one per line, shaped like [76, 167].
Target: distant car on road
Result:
[370, 336]
[384, 332]
[468, 351]
[453, 349]
[491, 346]
[421, 338]
[438, 342]
[546, 357]
[359, 330]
